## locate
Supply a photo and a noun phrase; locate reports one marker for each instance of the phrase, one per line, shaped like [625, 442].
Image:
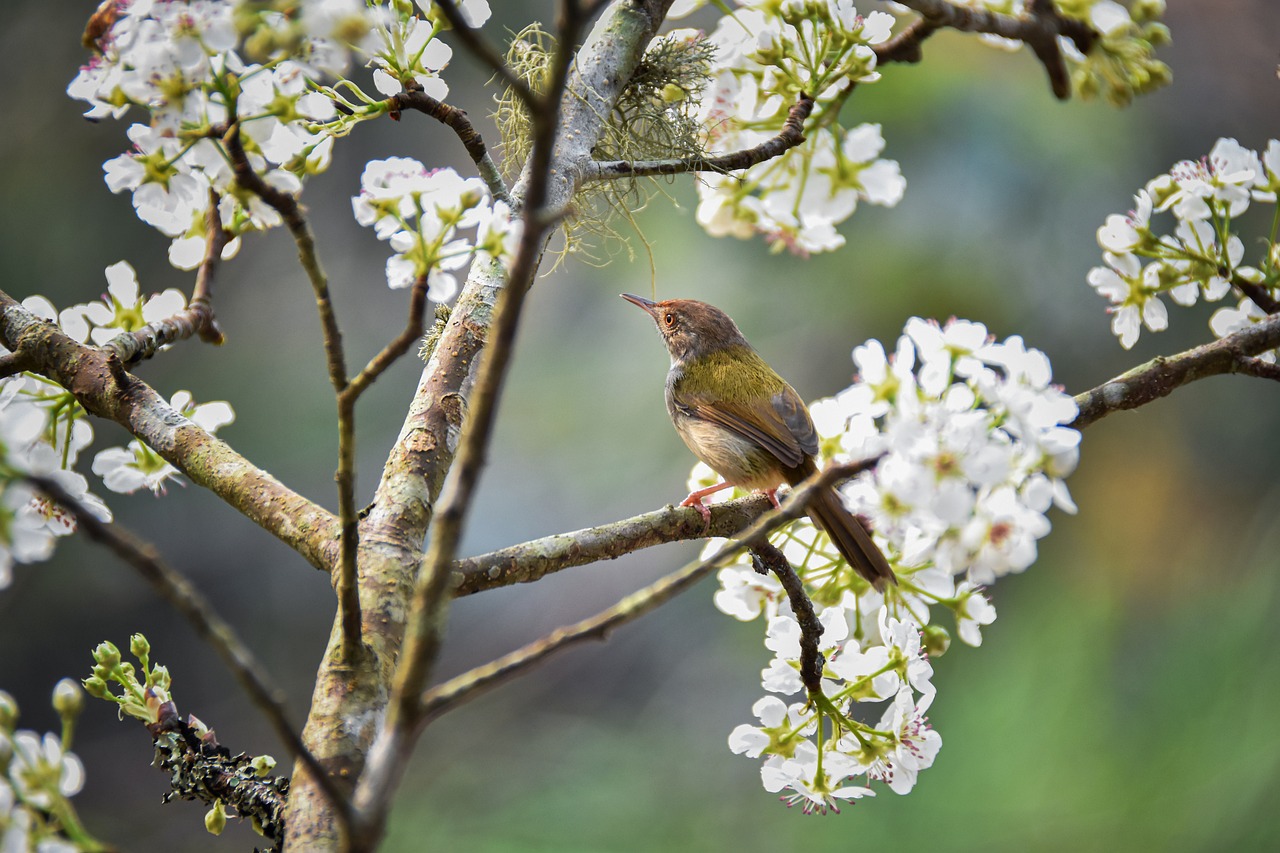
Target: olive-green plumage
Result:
[741, 418]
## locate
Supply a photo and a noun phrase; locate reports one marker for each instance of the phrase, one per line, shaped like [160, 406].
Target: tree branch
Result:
[463, 688]
[457, 121]
[1163, 374]
[174, 588]
[100, 383]
[531, 561]
[791, 135]
[1039, 29]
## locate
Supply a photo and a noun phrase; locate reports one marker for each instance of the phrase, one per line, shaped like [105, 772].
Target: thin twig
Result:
[791, 135]
[457, 121]
[905, 46]
[485, 52]
[174, 588]
[1260, 295]
[196, 319]
[216, 239]
[14, 363]
[1254, 366]
[768, 556]
[443, 697]
[289, 210]
[1163, 374]
[348, 513]
[394, 349]
[348, 588]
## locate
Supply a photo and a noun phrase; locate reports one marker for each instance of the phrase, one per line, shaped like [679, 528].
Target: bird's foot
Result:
[695, 500]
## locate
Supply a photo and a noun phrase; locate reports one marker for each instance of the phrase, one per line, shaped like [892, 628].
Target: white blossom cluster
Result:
[186, 64]
[420, 211]
[1120, 63]
[767, 54]
[975, 449]
[1203, 257]
[43, 430]
[38, 775]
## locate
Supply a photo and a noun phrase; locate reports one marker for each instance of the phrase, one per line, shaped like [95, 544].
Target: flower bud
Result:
[935, 640]
[107, 654]
[159, 677]
[8, 711]
[139, 647]
[68, 698]
[96, 687]
[215, 820]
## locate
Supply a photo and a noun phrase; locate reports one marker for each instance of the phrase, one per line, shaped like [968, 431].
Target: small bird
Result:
[742, 419]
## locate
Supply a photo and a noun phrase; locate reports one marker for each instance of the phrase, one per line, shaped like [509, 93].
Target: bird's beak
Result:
[647, 304]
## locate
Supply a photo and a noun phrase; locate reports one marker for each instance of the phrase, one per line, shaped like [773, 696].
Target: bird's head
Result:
[690, 328]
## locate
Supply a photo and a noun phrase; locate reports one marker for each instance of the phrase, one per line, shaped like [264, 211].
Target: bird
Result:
[743, 420]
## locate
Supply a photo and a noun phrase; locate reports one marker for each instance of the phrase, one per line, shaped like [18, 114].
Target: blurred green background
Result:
[1125, 698]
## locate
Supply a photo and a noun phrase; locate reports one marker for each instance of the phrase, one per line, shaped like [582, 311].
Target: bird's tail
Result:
[850, 537]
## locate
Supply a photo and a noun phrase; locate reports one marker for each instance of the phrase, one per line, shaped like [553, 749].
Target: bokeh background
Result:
[1125, 698]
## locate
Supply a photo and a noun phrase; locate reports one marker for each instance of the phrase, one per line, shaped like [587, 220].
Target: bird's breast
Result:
[737, 459]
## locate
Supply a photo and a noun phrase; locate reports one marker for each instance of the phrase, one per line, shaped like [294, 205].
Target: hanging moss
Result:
[655, 117]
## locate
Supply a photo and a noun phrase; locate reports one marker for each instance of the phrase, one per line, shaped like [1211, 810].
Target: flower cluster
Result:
[1121, 60]
[38, 776]
[138, 698]
[974, 451]
[43, 429]
[185, 64]
[767, 55]
[1203, 257]
[41, 434]
[419, 211]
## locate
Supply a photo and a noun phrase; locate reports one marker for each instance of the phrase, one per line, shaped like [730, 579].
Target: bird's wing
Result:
[784, 428]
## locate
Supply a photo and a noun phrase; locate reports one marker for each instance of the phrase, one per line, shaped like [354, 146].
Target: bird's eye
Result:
[669, 319]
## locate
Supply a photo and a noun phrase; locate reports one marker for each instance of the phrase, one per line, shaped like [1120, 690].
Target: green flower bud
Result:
[935, 640]
[107, 654]
[1146, 10]
[1157, 34]
[215, 820]
[139, 647]
[8, 711]
[159, 677]
[68, 698]
[96, 687]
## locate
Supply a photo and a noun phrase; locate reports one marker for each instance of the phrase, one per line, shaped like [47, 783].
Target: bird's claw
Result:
[695, 501]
